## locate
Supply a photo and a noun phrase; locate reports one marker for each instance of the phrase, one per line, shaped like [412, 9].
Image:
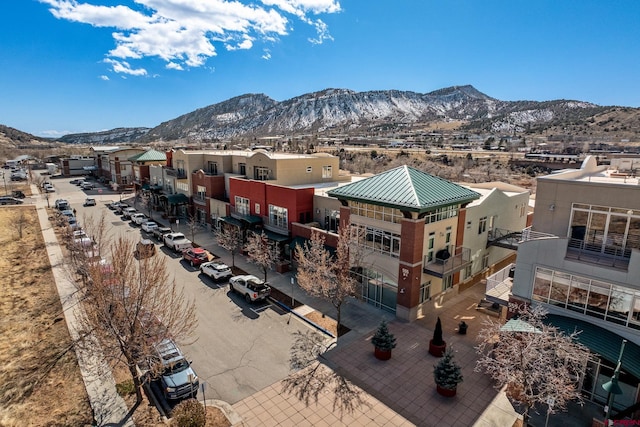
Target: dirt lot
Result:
[41, 383]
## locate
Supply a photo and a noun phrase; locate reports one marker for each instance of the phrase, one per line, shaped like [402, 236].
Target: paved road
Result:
[240, 348]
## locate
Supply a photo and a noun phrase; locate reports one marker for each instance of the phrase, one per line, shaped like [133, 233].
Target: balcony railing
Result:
[499, 285]
[178, 173]
[275, 227]
[599, 254]
[199, 200]
[440, 267]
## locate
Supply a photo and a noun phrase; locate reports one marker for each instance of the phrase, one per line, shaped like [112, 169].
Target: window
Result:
[613, 303]
[242, 168]
[257, 208]
[327, 172]
[447, 282]
[309, 169]
[180, 169]
[447, 238]
[278, 216]
[441, 214]
[425, 291]
[482, 225]
[485, 261]
[212, 168]
[382, 241]
[260, 173]
[467, 272]
[432, 240]
[242, 206]
[376, 212]
[202, 192]
[184, 186]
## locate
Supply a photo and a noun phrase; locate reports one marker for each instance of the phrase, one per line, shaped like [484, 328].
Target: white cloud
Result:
[105, 78]
[266, 55]
[183, 32]
[124, 67]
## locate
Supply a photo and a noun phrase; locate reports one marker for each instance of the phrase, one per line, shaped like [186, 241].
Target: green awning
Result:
[276, 237]
[232, 221]
[600, 341]
[177, 199]
[145, 186]
[252, 219]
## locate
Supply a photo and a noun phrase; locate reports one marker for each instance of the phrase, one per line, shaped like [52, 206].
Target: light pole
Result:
[612, 387]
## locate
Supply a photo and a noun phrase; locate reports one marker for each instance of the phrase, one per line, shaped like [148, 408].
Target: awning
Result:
[145, 186]
[600, 341]
[177, 199]
[252, 219]
[275, 236]
[232, 221]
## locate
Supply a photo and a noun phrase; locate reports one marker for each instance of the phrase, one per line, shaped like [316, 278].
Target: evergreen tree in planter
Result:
[437, 345]
[383, 341]
[447, 375]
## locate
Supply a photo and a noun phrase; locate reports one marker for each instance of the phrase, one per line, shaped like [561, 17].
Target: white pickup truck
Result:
[176, 242]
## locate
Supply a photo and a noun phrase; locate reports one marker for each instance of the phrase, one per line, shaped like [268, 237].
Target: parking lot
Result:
[238, 348]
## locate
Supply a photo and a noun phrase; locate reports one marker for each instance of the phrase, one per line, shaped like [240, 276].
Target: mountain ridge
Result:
[339, 111]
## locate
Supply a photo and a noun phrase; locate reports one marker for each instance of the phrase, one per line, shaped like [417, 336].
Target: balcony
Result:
[199, 200]
[499, 285]
[598, 254]
[178, 173]
[446, 263]
[275, 227]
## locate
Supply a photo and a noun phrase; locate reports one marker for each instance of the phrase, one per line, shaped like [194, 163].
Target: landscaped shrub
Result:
[188, 413]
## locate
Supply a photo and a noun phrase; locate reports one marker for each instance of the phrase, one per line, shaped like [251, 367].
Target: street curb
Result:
[290, 310]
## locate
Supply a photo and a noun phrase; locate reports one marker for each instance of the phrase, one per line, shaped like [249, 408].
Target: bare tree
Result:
[261, 252]
[325, 275]
[133, 305]
[20, 221]
[192, 225]
[311, 378]
[536, 363]
[230, 239]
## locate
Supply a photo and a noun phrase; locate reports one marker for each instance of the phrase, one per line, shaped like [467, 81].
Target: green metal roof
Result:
[600, 341]
[405, 188]
[149, 156]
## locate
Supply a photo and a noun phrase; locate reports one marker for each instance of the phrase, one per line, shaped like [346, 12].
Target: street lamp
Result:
[612, 387]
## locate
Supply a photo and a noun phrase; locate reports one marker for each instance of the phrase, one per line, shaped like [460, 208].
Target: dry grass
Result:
[41, 383]
[323, 321]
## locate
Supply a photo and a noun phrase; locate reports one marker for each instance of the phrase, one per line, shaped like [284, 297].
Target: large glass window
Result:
[381, 213]
[378, 240]
[327, 172]
[609, 230]
[202, 192]
[441, 214]
[242, 205]
[613, 303]
[260, 173]
[425, 291]
[278, 216]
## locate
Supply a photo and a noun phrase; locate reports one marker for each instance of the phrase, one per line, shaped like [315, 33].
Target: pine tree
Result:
[447, 373]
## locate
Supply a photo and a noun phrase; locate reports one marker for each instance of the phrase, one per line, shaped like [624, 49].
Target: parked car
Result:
[149, 226]
[252, 288]
[159, 232]
[73, 223]
[87, 186]
[177, 378]
[144, 249]
[216, 270]
[195, 256]
[18, 194]
[80, 181]
[62, 205]
[138, 217]
[49, 189]
[176, 242]
[118, 207]
[89, 201]
[127, 212]
[7, 200]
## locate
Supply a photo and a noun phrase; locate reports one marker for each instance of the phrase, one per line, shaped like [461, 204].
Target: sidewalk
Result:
[108, 407]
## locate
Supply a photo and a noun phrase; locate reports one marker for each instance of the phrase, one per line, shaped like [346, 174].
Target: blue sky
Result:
[73, 66]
